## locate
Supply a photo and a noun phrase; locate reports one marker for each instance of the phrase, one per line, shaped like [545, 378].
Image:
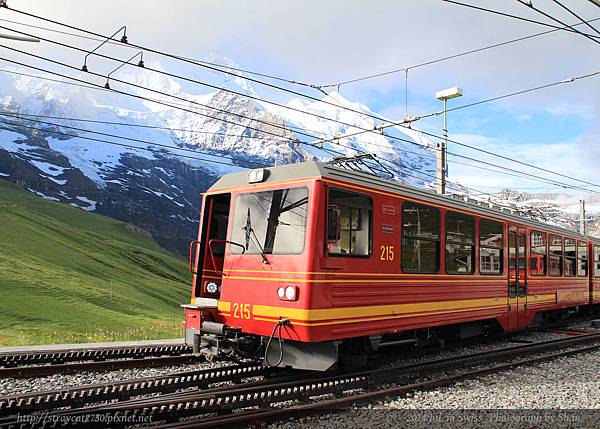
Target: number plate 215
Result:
[241, 311]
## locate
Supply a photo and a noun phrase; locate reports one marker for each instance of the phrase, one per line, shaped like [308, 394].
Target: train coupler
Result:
[214, 338]
[209, 346]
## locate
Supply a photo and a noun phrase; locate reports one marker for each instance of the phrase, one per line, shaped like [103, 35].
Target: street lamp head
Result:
[447, 94]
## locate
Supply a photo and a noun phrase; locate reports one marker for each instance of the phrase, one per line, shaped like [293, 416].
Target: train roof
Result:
[321, 170]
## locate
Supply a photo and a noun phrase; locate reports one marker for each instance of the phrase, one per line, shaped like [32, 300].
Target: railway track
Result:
[241, 401]
[123, 390]
[35, 364]
[270, 414]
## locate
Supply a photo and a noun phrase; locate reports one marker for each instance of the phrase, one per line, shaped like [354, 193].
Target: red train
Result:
[308, 265]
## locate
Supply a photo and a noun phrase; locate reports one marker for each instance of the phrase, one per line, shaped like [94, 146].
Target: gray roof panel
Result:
[313, 169]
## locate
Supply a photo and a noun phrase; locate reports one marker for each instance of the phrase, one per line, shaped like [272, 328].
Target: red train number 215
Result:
[387, 253]
[241, 311]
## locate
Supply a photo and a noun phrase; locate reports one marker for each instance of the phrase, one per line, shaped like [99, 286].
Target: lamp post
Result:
[444, 95]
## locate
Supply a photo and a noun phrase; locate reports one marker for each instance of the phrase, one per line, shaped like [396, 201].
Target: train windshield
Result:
[270, 222]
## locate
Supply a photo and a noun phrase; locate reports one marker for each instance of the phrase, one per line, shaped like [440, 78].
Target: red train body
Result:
[332, 264]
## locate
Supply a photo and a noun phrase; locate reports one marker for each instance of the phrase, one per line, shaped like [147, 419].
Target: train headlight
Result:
[212, 287]
[281, 292]
[290, 293]
[257, 175]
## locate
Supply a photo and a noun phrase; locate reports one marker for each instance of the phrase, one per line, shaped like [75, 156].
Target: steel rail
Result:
[10, 360]
[108, 365]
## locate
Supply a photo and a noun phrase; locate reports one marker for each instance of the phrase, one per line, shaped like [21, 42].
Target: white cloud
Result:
[566, 157]
[523, 117]
[473, 139]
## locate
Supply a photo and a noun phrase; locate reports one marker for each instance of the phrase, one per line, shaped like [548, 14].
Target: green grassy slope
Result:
[71, 276]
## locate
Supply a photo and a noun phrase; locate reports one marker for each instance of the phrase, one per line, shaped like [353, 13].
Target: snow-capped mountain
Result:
[123, 169]
[558, 209]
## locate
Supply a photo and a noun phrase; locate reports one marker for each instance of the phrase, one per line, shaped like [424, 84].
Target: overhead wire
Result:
[292, 81]
[353, 125]
[577, 16]
[508, 15]
[457, 55]
[169, 55]
[547, 15]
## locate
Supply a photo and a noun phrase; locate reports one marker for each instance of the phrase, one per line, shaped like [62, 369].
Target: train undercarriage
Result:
[217, 339]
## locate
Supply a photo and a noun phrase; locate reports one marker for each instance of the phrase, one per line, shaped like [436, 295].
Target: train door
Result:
[517, 279]
[208, 267]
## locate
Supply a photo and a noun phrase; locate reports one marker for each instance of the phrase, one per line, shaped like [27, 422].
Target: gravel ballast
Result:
[557, 393]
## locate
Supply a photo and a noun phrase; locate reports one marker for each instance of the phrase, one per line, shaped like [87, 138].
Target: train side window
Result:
[460, 243]
[556, 256]
[582, 259]
[355, 224]
[596, 261]
[490, 247]
[539, 252]
[491, 239]
[570, 257]
[420, 238]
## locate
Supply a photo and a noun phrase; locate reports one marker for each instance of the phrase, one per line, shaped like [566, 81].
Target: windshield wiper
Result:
[249, 234]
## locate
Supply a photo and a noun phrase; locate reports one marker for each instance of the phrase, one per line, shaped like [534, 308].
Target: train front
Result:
[250, 259]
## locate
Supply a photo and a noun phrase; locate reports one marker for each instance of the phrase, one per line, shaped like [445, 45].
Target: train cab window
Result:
[354, 224]
[539, 252]
[270, 222]
[582, 259]
[596, 261]
[555, 258]
[490, 247]
[460, 244]
[570, 257]
[420, 238]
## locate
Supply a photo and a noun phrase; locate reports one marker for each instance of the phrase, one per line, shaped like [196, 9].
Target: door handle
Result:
[192, 256]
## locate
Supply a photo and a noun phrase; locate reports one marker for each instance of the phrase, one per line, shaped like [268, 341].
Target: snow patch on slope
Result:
[51, 169]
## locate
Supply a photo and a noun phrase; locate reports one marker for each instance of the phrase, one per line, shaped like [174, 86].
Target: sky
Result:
[327, 41]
